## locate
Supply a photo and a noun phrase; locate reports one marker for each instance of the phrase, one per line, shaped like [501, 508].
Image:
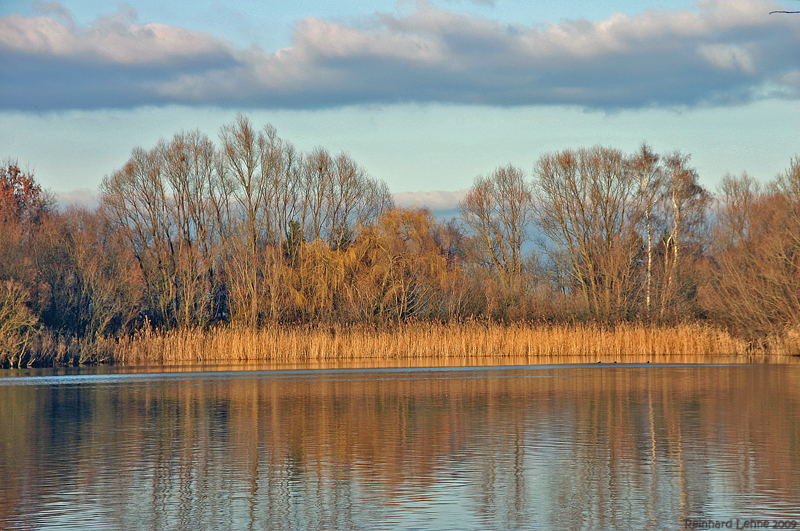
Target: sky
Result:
[425, 95]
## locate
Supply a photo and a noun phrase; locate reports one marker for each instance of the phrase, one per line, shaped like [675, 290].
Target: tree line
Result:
[248, 231]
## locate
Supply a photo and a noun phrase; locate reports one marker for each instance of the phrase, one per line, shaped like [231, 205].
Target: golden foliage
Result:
[393, 269]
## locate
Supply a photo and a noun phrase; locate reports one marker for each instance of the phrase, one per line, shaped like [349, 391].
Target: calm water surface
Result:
[545, 447]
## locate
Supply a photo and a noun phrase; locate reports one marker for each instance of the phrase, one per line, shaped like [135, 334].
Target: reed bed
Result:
[421, 340]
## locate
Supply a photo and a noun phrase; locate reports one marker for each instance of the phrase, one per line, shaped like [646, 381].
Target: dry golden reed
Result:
[423, 340]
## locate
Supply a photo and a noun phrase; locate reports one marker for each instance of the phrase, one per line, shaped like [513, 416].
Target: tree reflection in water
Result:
[558, 447]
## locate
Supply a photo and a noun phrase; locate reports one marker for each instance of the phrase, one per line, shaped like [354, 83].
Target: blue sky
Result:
[425, 95]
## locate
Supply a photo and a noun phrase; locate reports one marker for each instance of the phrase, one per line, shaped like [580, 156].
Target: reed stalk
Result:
[424, 340]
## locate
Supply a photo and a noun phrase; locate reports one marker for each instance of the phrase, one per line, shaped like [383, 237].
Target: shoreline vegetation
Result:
[245, 249]
[442, 341]
[473, 341]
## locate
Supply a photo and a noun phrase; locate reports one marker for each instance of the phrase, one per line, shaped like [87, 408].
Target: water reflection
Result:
[397, 363]
[625, 447]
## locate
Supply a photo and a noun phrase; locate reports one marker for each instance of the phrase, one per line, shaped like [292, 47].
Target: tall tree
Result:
[584, 200]
[648, 172]
[243, 149]
[497, 211]
[684, 203]
[138, 201]
[191, 173]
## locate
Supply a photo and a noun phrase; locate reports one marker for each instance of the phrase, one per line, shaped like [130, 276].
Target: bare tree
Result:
[584, 201]
[136, 201]
[684, 203]
[498, 210]
[243, 149]
[170, 203]
[752, 282]
[648, 172]
[337, 197]
[787, 185]
[190, 169]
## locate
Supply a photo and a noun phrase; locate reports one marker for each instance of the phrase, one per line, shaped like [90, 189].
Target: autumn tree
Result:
[393, 270]
[17, 322]
[107, 279]
[753, 274]
[463, 294]
[403, 267]
[213, 227]
[22, 199]
[24, 206]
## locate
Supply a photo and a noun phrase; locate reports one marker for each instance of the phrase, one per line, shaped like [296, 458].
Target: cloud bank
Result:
[437, 201]
[722, 52]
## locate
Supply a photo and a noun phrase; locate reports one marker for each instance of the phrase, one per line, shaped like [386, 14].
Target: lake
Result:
[600, 446]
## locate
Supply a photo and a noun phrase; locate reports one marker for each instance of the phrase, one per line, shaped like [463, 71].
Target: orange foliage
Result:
[21, 198]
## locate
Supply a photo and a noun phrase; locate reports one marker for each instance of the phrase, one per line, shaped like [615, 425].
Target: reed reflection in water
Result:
[558, 447]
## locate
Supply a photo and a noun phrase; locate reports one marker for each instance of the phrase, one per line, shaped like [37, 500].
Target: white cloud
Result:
[722, 51]
[115, 39]
[729, 57]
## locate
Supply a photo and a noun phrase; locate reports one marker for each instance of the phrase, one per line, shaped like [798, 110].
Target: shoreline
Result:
[471, 340]
[417, 343]
[502, 363]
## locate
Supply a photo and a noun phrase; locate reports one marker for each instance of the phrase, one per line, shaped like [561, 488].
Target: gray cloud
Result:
[55, 9]
[722, 52]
